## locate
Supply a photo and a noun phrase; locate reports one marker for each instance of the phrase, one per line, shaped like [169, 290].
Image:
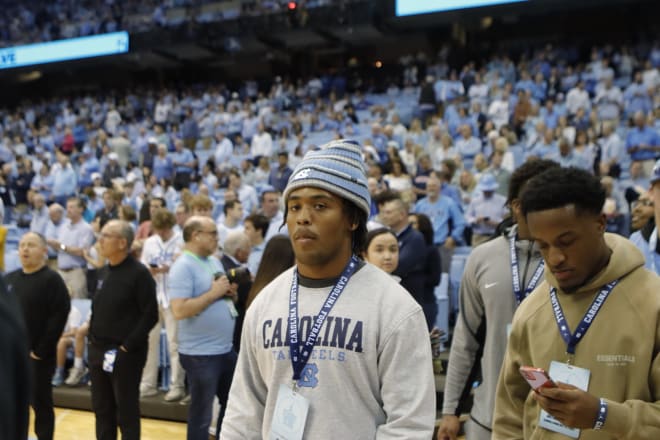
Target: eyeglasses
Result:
[106, 236]
[643, 202]
[213, 233]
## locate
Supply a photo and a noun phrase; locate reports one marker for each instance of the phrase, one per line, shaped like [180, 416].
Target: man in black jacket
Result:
[235, 253]
[44, 300]
[412, 255]
[123, 312]
[14, 369]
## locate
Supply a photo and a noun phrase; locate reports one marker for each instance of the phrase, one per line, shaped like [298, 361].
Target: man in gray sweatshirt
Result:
[334, 347]
[498, 275]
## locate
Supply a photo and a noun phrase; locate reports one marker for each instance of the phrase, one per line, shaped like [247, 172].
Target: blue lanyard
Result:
[573, 339]
[515, 273]
[299, 358]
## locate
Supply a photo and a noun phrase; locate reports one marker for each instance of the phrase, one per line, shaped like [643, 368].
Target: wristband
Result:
[602, 415]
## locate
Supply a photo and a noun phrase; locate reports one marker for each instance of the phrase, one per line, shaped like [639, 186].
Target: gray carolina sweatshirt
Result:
[486, 299]
[369, 377]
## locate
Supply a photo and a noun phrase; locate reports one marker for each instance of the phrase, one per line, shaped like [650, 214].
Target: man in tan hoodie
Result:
[593, 324]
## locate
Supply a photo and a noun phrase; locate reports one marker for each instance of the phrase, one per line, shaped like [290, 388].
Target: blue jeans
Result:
[208, 376]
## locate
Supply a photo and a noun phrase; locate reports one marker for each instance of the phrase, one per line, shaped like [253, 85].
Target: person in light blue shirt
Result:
[202, 300]
[637, 97]
[486, 210]
[545, 148]
[162, 165]
[88, 164]
[550, 114]
[183, 162]
[40, 217]
[643, 143]
[52, 231]
[567, 158]
[42, 182]
[468, 146]
[256, 228]
[446, 217]
[65, 183]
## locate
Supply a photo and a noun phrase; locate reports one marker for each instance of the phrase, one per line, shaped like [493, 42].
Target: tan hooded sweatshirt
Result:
[620, 349]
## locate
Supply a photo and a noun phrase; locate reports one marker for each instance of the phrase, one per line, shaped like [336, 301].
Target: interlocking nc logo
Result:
[308, 377]
[302, 174]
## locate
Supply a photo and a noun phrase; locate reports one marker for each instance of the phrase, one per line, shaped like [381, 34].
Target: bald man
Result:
[44, 299]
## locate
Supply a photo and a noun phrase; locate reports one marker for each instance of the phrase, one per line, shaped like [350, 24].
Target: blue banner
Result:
[64, 50]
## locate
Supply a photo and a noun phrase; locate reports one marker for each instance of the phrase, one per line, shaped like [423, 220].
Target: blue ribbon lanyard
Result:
[300, 357]
[572, 340]
[515, 274]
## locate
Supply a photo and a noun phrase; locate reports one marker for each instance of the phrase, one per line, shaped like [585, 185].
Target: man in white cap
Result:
[112, 170]
[486, 210]
[332, 344]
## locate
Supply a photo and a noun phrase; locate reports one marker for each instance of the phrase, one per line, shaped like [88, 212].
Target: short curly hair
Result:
[558, 187]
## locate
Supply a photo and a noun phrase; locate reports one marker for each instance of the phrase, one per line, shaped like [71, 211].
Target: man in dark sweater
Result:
[14, 369]
[412, 256]
[44, 300]
[123, 312]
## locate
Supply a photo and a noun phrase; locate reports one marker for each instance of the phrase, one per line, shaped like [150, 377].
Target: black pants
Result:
[181, 181]
[116, 395]
[41, 398]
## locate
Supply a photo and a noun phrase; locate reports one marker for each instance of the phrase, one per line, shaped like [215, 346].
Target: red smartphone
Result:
[537, 378]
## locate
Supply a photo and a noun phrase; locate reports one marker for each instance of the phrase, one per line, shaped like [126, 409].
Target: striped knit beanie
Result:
[336, 167]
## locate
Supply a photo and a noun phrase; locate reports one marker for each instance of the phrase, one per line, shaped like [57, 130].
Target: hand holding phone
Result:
[537, 378]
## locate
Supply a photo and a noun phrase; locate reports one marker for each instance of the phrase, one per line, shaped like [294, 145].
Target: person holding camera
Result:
[202, 300]
[486, 211]
[158, 253]
[236, 251]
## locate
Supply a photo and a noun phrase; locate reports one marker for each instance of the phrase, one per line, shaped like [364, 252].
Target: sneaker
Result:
[185, 400]
[174, 394]
[76, 375]
[148, 392]
[57, 379]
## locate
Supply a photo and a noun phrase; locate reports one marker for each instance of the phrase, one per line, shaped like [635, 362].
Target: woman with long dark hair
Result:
[432, 268]
[277, 257]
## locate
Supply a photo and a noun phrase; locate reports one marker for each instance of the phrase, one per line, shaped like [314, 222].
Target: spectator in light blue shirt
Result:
[88, 164]
[280, 176]
[40, 217]
[566, 157]
[256, 228]
[486, 210]
[162, 164]
[637, 97]
[183, 162]
[547, 147]
[643, 143]
[65, 183]
[550, 114]
[201, 299]
[447, 219]
[468, 146]
[52, 231]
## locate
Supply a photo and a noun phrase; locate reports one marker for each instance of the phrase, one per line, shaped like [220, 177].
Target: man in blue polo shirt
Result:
[447, 219]
[643, 143]
[184, 163]
[202, 300]
[74, 238]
